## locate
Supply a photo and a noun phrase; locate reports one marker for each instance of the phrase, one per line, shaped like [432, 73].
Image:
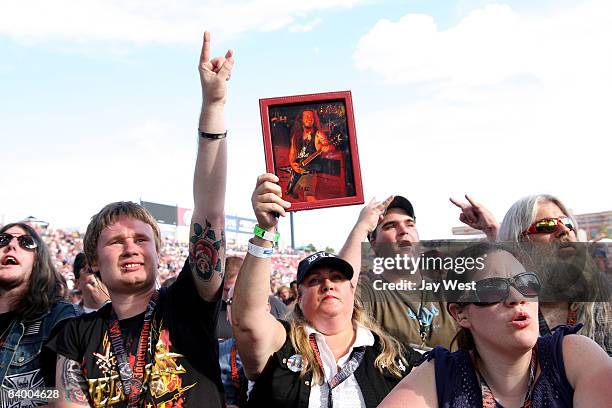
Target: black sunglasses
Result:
[494, 290]
[25, 241]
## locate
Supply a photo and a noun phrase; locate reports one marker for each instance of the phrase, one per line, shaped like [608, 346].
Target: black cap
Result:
[320, 259]
[397, 202]
[403, 203]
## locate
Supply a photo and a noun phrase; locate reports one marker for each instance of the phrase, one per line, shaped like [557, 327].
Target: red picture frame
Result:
[310, 143]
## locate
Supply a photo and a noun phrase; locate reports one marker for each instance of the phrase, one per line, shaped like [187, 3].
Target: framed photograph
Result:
[310, 143]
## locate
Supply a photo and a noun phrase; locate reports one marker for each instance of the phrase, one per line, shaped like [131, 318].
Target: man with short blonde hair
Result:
[154, 347]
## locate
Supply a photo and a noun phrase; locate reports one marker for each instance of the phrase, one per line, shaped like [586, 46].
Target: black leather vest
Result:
[278, 386]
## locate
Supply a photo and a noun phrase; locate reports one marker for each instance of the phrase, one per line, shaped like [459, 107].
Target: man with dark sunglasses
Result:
[25, 241]
[390, 227]
[31, 311]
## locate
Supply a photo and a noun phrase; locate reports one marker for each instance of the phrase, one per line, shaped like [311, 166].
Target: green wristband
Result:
[268, 236]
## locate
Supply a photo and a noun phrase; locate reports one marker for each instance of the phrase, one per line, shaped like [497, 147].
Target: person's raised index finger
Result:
[457, 203]
[388, 201]
[205, 55]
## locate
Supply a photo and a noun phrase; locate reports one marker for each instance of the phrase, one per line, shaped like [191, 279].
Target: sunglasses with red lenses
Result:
[25, 241]
[550, 225]
[494, 290]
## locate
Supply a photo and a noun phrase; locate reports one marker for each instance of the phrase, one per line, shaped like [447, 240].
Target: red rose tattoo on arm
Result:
[204, 251]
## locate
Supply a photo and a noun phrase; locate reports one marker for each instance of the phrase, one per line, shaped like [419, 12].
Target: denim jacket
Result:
[19, 356]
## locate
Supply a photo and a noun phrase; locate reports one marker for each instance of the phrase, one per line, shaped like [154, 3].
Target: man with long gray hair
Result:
[545, 221]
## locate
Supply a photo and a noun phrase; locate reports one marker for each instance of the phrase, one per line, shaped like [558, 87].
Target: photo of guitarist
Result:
[308, 141]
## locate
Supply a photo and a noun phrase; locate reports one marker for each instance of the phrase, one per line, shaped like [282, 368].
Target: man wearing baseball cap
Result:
[390, 227]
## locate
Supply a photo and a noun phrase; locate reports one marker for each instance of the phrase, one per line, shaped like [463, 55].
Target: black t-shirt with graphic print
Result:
[185, 369]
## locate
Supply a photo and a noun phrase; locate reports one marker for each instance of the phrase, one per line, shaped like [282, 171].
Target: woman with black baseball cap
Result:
[329, 353]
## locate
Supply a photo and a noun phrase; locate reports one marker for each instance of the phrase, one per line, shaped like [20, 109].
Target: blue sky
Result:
[100, 100]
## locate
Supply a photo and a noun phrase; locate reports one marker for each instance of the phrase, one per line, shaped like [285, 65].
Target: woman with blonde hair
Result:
[329, 353]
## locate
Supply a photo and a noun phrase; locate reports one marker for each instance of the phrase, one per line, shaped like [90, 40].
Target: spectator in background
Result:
[232, 267]
[224, 326]
[232, 373]
[391, 228]
[63, 284]
[294, 288]
[285, 294]
[600, 256]
[94, 293]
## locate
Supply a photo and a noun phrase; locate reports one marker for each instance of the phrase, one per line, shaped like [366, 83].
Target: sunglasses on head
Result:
[494, 290]
[550, 225]
[25, 241]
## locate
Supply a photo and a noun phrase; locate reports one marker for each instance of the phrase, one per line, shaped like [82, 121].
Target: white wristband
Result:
[260, 252]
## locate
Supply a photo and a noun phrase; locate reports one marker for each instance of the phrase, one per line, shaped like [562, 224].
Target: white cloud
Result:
[490, 45]
[500, 105]
[157, 21]
[308, 26]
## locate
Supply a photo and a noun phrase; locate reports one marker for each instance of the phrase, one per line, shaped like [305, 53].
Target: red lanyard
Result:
[234, 368]
[572, 315]
[131, 378]
[488, 400]
[315, 348]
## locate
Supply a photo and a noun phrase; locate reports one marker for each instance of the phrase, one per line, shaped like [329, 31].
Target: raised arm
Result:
[369, 217]
[71, 383]
[588, 369]
[258, 334]
[477, 216]
[207, 232]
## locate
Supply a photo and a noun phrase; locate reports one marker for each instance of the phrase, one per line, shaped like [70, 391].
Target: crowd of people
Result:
[64, 246]
[162, 324]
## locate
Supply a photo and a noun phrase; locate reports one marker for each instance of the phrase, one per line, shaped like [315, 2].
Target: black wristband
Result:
[212, 136]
